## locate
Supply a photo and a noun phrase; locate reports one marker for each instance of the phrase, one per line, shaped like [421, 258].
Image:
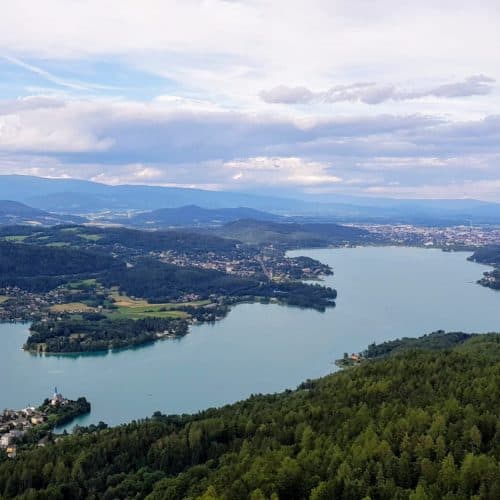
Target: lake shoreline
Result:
[382, 291]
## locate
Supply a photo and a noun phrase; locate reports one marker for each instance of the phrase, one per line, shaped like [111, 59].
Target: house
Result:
[5, 440]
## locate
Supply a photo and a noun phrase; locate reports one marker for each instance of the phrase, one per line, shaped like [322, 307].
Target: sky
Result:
[313, 98]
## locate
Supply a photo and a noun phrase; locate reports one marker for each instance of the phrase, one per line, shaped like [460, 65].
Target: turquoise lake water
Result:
[383, 293]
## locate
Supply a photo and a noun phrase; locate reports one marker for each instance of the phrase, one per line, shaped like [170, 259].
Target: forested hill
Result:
[12, 212]
[293, 235]
[422, 424]
[37, 267]
[487, 255]
[113, 238]
[192, 215]
[41, 268]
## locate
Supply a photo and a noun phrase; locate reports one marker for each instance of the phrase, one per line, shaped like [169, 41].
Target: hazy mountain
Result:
[13, 212]
[193, 215]
[77, 196]
[292, 234]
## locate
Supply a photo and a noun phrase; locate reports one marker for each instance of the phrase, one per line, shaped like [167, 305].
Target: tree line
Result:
[418, 424]
[95, 332]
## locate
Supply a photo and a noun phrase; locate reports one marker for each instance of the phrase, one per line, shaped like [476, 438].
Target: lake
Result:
[383, 293]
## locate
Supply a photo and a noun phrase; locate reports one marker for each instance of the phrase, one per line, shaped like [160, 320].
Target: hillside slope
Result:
[193, 215]
[79, 196]
[13, 212]
[293, 234]
[421, 424]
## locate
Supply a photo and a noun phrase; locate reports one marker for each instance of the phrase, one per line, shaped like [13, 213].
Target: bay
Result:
[383, 293]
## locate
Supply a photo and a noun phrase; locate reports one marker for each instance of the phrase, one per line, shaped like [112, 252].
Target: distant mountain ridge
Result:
[13, 212]
[193, 215]
[292, 234]
[79, 196]
[84, 197]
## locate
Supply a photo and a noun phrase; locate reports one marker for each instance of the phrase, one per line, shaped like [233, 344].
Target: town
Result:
[250, 262]
[32, 426]
[89, 296]
[447, 238]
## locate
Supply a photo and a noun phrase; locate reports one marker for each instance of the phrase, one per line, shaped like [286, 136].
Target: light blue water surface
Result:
[383, 293]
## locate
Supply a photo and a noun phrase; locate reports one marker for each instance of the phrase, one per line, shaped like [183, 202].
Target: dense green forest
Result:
[417, 424]
[487, 255]
[93, 333]
[160, 282]
[41, 268]
[63, 414]
[36, 266]
[293, 235]
[114, 238]
[434, 340]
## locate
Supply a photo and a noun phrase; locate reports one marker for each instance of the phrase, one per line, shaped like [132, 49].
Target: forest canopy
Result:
[416, 424]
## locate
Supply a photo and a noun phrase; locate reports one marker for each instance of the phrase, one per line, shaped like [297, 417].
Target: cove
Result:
[383, 293]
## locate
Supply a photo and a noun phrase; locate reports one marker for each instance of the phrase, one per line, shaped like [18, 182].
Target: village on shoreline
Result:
[33, 426]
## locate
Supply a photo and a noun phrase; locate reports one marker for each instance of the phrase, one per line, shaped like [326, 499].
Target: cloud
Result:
[275, 170]
[172, 141]
[474, 85]
[167, 92]
[50, 125]
[371, 93]
[131, 131]
[288, 95]
[481, 189]
[46, 75]
[231, 50]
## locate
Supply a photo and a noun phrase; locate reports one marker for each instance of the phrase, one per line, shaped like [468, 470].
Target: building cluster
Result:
[247, 263]
[21, 305]
[14, 424]
[240, 265]
[443, 237]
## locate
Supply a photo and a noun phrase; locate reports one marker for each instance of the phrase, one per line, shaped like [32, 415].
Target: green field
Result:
[15, 239]
[58, 244]
[83, 283]
[71, 307]
[146, 312]
[3, 298]
[130, 308]
[90, 237]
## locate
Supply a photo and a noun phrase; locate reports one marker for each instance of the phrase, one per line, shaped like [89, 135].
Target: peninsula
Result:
[30, 426]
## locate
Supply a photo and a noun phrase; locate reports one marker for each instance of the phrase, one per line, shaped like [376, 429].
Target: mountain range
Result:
[13, 212]
[72, 196]
[193, 215]
[292, 234]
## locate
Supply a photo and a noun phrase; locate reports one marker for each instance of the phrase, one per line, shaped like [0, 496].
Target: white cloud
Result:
[46, 75]
[371, 93]
[234, 49]
[277, 170]
[207, 60]
[485, 190]
[166, 142]
[50, 126]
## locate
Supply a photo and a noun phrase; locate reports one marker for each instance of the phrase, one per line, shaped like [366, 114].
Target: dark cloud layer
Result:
[126, 141]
